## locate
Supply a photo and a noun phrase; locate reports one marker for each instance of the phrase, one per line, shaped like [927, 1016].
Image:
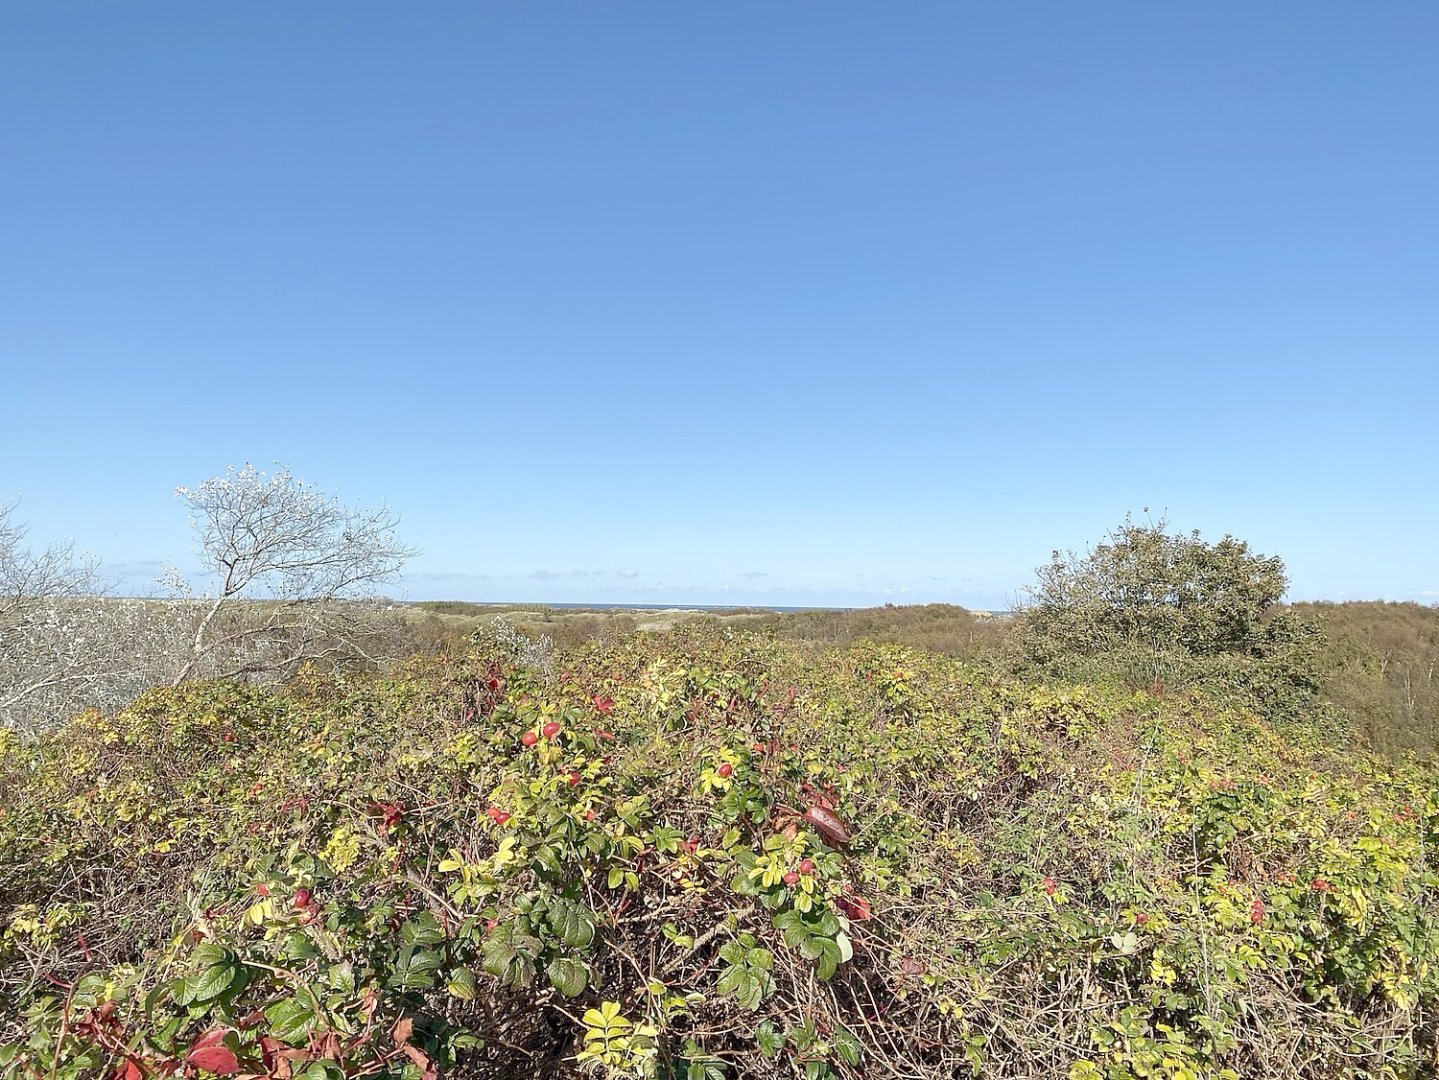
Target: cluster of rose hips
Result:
[550, 731]
[303, 901]
[806, 867]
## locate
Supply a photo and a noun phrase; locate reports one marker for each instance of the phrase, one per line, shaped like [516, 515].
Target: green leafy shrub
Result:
[710, 854]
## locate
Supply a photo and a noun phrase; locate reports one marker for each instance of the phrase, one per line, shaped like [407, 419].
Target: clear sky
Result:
[788, 303]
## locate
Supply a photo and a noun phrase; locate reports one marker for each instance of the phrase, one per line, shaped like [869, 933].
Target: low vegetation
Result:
[710, 854]
[1144, 842]
[1380, 664]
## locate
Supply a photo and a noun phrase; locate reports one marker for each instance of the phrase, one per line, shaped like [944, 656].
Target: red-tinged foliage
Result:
[828, 824]
[449, 947]
[215, 1058]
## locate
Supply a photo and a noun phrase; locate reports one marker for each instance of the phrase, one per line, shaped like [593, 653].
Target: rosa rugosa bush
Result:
[707, 855]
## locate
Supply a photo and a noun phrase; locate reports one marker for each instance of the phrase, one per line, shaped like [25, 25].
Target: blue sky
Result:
[754, 303]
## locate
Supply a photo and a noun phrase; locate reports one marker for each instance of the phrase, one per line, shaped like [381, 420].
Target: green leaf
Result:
[210, 983]
[751, 992]
[769, 1040]
[423, 929]
[290, 1020]
[847, 1047]
[828, 958]
[415, 968]
[568, 976]
[571, 923]
[299, 946]
[509, 955]
[87, 991]
[155, 996]
[462, 985]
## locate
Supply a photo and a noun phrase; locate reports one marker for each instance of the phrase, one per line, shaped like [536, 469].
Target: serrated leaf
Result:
[415, 968]
[572, 924]
[219, 1060]
[751, 992]
[209, 983]
[568, 976]
[828, 961]
[768, 1039]
[423, 929]
[299, 946]
[290, 1020]
[847, 1046]
[509, 955]
[462, 985]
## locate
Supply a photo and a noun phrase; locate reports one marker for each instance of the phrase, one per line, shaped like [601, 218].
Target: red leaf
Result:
[216, 1059]
[418, 1056]
[403, 1029]
[828, 824]
[213, 1037]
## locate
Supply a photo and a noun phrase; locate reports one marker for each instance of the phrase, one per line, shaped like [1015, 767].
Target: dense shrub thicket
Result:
[1380, 663]
[943, 628]
[711, 854]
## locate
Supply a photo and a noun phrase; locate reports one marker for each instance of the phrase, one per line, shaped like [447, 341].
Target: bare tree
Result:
[48, 650]
[297, 577]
